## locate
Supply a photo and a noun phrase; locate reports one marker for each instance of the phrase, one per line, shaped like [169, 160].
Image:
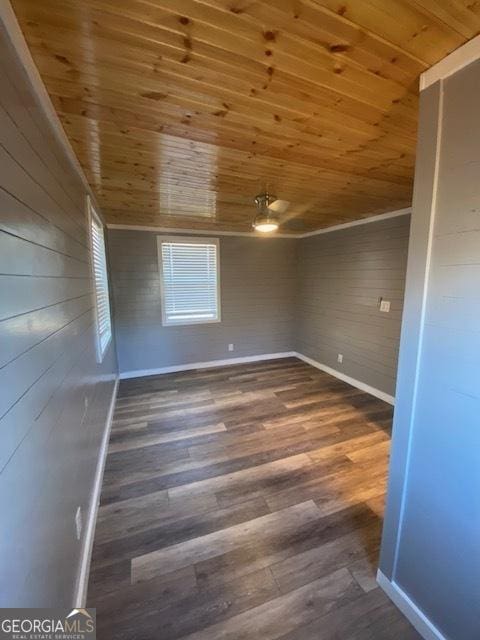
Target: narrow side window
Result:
[100, 277]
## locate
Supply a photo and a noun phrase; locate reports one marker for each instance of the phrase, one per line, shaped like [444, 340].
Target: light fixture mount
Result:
[264, 200]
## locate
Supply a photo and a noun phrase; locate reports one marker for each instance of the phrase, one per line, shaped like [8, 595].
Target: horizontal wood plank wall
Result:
[257, 289]
[433, 518]
[341, 276]
[54, 398]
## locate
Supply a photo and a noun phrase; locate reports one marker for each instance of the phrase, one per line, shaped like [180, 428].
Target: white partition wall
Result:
[430, 559]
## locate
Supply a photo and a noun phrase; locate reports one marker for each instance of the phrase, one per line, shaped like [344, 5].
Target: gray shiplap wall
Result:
[318, 296]
[341, 276]
[257, 288]
[430, 546]
[54, 398]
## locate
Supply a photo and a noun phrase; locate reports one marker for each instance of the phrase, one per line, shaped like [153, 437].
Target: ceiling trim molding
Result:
[455, 61]
[249, 234]
[355, 223]
[199, 232]
[19, 45]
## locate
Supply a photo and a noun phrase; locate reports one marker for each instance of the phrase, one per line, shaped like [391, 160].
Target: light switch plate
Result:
[385, 306]
[230, 347]
[340, 357]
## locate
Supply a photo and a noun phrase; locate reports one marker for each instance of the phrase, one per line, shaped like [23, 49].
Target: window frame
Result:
[93, 217]
[188, 240]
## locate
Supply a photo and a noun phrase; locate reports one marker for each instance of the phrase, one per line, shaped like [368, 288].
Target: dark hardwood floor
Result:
[244, 503]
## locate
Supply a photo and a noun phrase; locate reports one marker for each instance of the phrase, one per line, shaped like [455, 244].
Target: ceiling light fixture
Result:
[265, 221]
[265, 224]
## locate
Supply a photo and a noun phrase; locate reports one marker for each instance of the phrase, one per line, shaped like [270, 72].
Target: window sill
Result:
[189, 323]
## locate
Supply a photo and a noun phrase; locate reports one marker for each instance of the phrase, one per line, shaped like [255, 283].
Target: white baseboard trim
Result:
[341, 376]
[140, 373]
[419, 620]
[80, 596]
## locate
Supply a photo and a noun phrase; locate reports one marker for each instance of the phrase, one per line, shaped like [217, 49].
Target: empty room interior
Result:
[239, 319]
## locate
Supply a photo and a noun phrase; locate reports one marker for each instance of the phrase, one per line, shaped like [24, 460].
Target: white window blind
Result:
[189, 270]
[102, 300]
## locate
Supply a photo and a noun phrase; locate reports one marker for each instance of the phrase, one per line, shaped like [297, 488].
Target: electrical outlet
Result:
[230, 347]
[340, 357]
[86, 402]
[385, 306]
[78, 522]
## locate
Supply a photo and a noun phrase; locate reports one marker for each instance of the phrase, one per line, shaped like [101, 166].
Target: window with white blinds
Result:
[102, 299]
[190, 281]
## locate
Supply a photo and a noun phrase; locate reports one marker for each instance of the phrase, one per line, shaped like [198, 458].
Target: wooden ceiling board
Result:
[181, 111]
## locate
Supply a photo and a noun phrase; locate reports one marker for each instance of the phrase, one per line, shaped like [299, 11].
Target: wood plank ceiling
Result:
[181, 111]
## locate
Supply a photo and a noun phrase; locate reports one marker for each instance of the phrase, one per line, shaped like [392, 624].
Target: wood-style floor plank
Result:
[272, 618]
[244, 502]
[222, 541]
